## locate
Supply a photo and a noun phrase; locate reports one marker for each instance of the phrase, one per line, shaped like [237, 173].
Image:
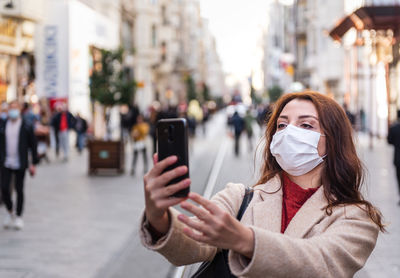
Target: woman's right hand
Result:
[158, 196]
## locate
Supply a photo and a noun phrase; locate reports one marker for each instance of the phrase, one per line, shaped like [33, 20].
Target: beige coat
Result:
[313, 245]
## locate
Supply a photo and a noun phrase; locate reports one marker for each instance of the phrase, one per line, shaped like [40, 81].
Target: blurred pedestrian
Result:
[349, 115]
[3, 118]
[62, 122]
[362, 120]
[206, 116]
[139, 134]
[42, 130]
[306, 218]
[237, 122]
[194, 116]
[3, 111]
[29, 116]
[128, 115]
[248, 123]
[153, 118]
[394, 139]
[17, 139]
[55, 128]
[42, 133]
[80, 128]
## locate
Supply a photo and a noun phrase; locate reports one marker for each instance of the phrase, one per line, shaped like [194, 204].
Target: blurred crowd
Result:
[29, 131]
[241, 120]
[136, 125]
[51, 125]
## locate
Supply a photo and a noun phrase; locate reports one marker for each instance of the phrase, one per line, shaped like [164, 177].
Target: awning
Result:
[367, 18]
[340, 29]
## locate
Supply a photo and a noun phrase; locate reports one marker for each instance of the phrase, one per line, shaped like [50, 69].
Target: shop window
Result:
[163, 51]
[127, 35]
[153, 36]
[25, 75]
[164, 15]
[4, 76]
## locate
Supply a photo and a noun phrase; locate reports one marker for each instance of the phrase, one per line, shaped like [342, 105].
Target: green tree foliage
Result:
[274, 93]
[206, 93]
[110, 84]
[190, 88]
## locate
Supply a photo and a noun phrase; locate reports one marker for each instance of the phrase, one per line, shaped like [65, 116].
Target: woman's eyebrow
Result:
[308, 116]
[300, 117]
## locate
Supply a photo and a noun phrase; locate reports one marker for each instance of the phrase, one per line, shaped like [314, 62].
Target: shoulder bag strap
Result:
[248, 195]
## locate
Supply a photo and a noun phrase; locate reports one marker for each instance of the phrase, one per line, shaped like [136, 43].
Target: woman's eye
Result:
[306, 126]
[281, 126]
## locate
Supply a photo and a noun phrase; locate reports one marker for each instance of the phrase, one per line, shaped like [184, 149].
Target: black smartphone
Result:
[172, 139]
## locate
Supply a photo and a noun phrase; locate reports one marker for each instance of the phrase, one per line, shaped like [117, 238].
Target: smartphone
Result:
[172, 139]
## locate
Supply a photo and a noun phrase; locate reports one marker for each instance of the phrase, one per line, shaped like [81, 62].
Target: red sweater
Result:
[294, 197]
[63, 122]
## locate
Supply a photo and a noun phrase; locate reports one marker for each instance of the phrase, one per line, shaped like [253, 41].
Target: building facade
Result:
[63, 48]
[347, 49]
[279, 59]
[323, 59]
[46, 49]
[369, 31]
[18, 20]
[171, 41]
[298, 53]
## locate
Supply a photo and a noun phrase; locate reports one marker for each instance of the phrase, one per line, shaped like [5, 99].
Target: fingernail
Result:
[181, 217]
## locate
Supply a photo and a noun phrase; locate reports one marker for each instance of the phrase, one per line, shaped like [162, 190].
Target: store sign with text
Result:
[50, 63]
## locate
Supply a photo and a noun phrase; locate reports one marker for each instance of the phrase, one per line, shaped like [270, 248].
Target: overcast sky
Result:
[237, 26]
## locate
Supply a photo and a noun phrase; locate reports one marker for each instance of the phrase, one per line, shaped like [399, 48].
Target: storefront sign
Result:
[8, 32]
[50, 63]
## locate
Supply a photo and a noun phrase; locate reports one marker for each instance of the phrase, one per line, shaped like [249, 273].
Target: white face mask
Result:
[296, 150]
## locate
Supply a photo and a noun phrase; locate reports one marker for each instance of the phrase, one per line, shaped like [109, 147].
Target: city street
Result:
[106, 72]
[81, 226]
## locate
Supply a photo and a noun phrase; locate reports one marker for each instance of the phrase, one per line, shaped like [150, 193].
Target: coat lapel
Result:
[308, 215]
[267, 213]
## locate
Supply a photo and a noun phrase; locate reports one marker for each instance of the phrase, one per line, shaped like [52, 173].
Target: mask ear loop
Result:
[325, 154]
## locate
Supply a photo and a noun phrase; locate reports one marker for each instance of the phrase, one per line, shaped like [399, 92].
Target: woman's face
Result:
[302, 113]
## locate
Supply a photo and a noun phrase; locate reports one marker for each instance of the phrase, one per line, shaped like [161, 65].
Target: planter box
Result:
[106, 155]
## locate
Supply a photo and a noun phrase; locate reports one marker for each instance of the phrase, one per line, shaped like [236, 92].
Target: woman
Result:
[307, 217]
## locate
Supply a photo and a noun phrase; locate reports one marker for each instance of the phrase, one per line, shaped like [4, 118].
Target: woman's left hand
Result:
[216, 227]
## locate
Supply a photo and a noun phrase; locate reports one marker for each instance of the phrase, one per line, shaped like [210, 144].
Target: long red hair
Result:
[343, 172]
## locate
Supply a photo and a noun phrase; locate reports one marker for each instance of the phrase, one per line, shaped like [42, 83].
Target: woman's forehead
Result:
[298, 107]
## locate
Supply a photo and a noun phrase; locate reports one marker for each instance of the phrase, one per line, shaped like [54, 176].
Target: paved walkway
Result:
[381, 190]
[72, 222]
